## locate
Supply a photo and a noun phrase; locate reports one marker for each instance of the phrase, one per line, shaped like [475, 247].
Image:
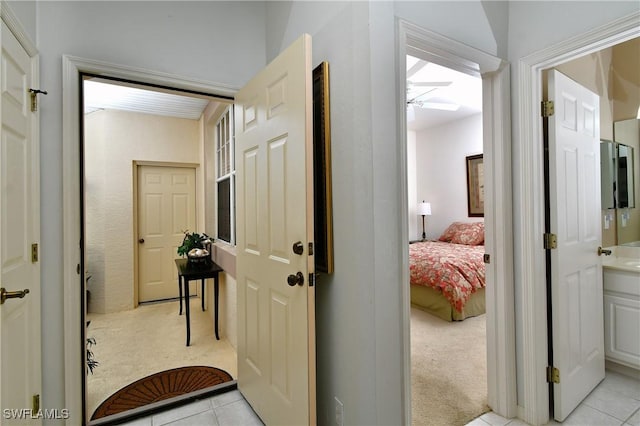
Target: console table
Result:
[188, 272]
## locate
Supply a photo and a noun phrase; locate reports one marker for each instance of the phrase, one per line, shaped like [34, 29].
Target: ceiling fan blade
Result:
[439, 106]
[411, 113]
[429, 83]
[416, 67]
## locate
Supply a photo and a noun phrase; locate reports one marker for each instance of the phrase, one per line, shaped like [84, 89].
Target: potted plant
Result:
[197, 247]
[91, 362]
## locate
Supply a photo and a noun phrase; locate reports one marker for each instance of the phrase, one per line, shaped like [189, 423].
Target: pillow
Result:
[471, 234]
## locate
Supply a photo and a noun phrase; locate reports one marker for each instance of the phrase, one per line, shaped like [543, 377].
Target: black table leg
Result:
[186, 302]
[202, 295]
[180, 289]
[216, 291]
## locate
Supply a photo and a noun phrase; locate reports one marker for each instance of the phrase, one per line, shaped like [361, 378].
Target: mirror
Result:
[625, 176]
[616, 175]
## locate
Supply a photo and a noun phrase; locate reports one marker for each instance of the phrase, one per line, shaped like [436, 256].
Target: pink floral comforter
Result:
[455, 269]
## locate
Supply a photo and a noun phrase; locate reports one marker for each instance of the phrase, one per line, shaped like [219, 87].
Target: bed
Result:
[447, 276]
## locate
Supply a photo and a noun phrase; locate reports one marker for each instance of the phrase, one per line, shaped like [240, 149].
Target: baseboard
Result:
[622, 369]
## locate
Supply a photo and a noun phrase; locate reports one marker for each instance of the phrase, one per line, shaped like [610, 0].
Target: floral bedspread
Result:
[455, 269]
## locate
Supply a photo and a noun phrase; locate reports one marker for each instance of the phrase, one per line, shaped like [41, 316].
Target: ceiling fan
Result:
[426, 94]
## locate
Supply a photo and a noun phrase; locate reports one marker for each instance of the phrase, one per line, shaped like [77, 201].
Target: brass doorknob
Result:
[4, 294]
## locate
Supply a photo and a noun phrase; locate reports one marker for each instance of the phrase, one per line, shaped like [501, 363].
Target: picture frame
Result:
[475, 185]
[323, 208]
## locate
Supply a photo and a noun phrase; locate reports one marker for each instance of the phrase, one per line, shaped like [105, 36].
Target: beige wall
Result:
[626, 79]
[227, 316]
[626, 91]
[113, 141]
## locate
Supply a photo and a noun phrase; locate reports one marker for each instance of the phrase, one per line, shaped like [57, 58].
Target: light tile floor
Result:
[616, 401]
[229, 408]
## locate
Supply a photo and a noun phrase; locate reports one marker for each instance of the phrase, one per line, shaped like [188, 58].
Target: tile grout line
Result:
[632, 414]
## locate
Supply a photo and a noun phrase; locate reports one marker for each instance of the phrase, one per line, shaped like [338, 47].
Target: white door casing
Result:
[166, 208]
[276, 321]
[496, 124]
[576, 268]
[20, 335]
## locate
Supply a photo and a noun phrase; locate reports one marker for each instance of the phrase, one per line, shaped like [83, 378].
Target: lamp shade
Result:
[424, 209]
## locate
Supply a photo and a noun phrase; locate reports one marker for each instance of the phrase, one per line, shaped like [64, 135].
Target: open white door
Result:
[276, 316]
[20, 373]
[576, 268]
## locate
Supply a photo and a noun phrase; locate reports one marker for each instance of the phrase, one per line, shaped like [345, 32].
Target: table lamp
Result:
[424, 209]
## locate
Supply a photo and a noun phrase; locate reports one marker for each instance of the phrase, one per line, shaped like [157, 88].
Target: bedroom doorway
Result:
[448, 334]
[496, 150]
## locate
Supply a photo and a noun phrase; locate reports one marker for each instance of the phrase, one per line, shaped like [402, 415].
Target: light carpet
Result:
[448, 369]
[134, 344]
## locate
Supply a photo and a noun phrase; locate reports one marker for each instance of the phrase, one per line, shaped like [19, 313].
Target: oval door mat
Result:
[160, 386]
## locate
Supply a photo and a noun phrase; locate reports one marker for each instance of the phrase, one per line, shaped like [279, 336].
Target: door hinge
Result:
[34, 252]
[487, 258]
[550, 241]
[547, 108]
[553, 374]
[34, 98]
[36, 403]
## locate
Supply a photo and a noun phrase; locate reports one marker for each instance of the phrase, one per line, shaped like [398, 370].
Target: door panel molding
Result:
[530, 172]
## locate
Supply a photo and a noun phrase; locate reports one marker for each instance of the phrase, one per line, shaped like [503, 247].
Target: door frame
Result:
[530, 177]
[72, 68]
[199, 204]
[496, 122]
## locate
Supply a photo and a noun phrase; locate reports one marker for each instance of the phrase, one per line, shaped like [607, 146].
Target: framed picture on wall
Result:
[323, 209]
[475, 186]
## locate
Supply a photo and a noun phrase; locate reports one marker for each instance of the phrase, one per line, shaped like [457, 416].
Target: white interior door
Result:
[576, 268]
[20, 373]
[166, 208]
[276, 319]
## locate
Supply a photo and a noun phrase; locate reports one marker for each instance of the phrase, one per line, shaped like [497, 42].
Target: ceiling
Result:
[437, 95]
[102, 94]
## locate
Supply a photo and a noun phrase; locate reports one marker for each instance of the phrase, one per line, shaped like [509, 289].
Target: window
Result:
[225, 177]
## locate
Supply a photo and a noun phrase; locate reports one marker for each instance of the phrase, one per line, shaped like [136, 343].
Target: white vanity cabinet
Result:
[622, 316]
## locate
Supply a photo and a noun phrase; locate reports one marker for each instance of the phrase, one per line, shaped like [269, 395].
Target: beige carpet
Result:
[134, 344]
[448, 370]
